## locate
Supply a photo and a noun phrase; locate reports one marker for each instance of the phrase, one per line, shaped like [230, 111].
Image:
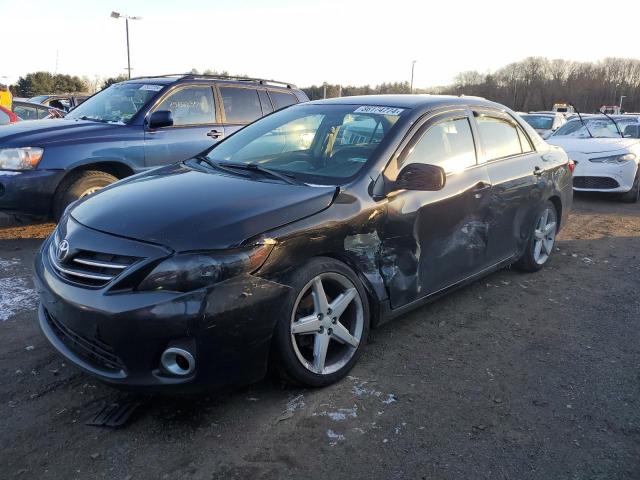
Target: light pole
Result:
[413, 64]
[117, 15]
[622, 97]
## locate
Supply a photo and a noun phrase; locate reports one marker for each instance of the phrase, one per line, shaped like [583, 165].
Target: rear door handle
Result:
[537, 171]
[215, 134]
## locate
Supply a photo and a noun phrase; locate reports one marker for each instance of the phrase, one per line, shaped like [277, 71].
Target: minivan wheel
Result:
[323, 324]
[541, 239]
[633, 195]
[79, 185]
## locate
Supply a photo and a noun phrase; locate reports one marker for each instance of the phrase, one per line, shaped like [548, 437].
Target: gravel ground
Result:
[519, 376]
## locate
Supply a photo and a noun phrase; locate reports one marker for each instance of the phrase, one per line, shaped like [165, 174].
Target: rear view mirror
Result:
[160, 118]
[419, 176]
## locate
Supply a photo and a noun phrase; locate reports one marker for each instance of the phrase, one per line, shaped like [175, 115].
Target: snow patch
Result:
[296, 403]
[15, 296]
[335, 436]
[340, 414]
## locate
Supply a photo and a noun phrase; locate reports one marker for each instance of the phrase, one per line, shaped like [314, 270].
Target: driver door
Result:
[195, 128]
[434, 239]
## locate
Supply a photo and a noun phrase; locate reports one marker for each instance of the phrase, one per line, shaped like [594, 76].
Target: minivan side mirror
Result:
[160, 118]
[420, 176]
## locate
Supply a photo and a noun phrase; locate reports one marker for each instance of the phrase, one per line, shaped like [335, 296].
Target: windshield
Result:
[39, 98]
[600, 127]
[316, 143]
[539, 122]
[116, 104]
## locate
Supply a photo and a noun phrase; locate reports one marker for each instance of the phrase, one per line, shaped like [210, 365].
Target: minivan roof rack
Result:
[195, 76]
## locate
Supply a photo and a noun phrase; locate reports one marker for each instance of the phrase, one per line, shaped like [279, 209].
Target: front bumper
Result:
[29, 192]
[603, 177]
[119, 337]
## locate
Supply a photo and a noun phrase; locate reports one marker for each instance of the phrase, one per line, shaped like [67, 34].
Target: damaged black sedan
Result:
[286, 242]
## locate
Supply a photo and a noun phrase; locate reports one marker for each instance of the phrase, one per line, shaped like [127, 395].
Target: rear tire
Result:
[78, 185]
[633, 195]
[323, 324]
[541, 239]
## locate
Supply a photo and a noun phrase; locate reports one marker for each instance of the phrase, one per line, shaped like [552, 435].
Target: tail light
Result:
[571, 165]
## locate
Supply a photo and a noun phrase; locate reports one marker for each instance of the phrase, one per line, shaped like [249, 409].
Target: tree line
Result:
[535, 83]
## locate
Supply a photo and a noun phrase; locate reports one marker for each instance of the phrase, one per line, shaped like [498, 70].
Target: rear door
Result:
[436, 239]
[240, 106]
[196, 125]
[514, 169]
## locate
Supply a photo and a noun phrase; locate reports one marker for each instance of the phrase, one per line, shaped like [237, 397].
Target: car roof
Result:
[29, 104]
[408, 101]
[175, 78]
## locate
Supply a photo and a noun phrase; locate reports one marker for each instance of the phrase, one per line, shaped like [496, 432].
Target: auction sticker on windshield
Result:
[379, 110]
[154, 88]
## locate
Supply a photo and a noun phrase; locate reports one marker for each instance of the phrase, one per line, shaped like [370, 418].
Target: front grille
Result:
[96, 352]
[602, 183]
[88, 268]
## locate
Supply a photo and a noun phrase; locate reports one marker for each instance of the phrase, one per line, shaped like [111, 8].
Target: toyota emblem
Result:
[63, 250]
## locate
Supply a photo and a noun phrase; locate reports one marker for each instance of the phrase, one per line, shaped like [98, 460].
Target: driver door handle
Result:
[215, 134]
[537, 171]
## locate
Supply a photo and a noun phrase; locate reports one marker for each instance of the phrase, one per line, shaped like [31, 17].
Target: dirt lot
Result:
[517, 376]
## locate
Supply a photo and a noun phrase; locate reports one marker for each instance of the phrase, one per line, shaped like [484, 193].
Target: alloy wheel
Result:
[327, 323]
[544, 236]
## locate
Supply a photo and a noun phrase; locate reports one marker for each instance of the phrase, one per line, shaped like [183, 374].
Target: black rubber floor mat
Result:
[116, 414]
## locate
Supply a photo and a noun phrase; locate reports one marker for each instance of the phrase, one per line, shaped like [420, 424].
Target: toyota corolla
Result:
[290, 239]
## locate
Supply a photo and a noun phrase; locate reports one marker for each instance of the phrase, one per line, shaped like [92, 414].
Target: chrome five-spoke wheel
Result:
[544, 235]
[327, 323]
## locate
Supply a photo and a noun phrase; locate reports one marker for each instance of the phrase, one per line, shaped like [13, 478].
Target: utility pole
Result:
[413, 64]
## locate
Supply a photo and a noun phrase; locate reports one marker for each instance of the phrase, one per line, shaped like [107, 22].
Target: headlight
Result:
[26, 158]
[614, 158]
[191, 271]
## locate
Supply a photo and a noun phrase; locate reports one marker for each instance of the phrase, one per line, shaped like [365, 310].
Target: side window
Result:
[26, 112]
[524, 141]
[448, 144]
[4, 118]
[282, 99]
[265, 102]
[241, 105]
[500, 137]
[192, 105]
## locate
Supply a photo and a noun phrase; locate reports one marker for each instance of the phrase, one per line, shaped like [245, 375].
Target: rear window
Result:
[282, 99]
[241, 105]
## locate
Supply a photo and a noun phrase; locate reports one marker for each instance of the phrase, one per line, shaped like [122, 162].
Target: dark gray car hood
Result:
[189, 209]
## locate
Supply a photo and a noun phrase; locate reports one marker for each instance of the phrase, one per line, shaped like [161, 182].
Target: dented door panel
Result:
[435, 239]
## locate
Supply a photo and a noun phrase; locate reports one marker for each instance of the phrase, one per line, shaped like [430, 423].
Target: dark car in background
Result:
[61, 102]
[290, 239]
[129, 127]
[35, 111]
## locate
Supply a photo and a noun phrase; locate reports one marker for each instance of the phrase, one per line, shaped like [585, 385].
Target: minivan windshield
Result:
[116, 104]
[315, 143]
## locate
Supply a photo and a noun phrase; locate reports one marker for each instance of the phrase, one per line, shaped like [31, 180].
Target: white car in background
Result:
[606, 151]
[545, 123]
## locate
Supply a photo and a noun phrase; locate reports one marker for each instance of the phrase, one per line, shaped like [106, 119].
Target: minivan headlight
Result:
[190, 271]
[25, 158]
[614, 158]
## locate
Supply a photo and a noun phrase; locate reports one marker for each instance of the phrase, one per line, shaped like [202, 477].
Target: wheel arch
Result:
[557, 203]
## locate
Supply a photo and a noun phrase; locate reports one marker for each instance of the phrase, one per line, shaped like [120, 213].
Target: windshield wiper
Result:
[218, 166]
[581, 120]
[91, 119]
[254, 167]
[615, 123]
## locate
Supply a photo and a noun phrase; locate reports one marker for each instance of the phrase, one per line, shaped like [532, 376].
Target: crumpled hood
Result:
[39, 133]
[188, 209]
[592, 145]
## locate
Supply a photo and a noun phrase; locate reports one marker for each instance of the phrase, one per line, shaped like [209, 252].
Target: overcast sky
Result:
[312, 41]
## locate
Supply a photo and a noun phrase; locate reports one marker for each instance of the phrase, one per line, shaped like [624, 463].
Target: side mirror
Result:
[160, 118]
[419, 176]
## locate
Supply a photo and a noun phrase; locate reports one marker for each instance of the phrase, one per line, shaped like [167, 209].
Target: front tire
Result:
[633, 195]
[78, 185]
[323, 324]
[541, 239]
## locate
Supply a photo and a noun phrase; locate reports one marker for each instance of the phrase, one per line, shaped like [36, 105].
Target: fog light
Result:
[178, 361]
